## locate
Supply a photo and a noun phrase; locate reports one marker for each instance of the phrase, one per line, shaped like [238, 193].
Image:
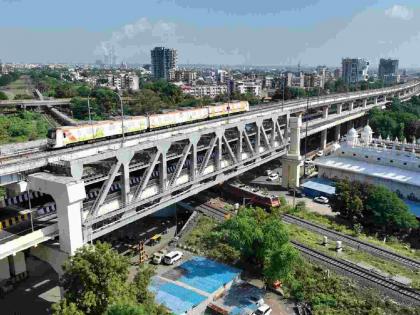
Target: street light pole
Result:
[90, 115]
[122, 117]
[306, 132]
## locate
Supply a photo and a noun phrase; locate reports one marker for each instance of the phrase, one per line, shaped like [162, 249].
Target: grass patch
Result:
[313, 240]
[392, 243]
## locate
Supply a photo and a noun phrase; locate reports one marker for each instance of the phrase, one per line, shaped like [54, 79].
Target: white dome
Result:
[367, 129]
[352, 133]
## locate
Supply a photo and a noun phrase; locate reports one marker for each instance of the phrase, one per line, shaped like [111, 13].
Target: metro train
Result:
[70, 135]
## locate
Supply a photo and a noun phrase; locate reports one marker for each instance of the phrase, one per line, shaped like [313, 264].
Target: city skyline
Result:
[309, 32]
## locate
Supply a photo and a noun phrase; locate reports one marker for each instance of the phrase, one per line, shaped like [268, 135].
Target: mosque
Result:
[377, 161]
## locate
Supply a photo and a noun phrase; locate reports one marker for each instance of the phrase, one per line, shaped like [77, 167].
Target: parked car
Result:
[297, 193]
[321, 199]
[320, 153]
[158, 256]
[273, 177]
[268, 172]
[257, 300]
[172, 257]
[263, 310]
[308, 161]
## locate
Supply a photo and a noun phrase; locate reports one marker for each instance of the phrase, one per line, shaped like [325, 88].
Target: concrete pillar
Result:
[257, 137]
[325, 112]
[4, 269]
[365, 103]
[323, 139]
[68, 194]
[351, 106]
[15, 189]
[339, 108]
[292, 161]
[337, 134]
[125, 183]
[375, 100]
[17, 264]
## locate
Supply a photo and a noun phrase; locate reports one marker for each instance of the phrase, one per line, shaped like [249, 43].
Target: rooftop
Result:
[375, 170]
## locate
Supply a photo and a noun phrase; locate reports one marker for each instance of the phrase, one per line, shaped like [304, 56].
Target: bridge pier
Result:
[68, 194]
[12, 266]
[324, 132]
[339, 108]
[365, 103]
[292, 161]
[351, 106]
[337, 134]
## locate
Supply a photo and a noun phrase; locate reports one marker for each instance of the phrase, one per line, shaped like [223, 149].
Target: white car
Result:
[256, 300]
[321, 199]
[158, 256]
[320, 153]
[273, 177]
[263, 310]
[172, 257]
[268, 172]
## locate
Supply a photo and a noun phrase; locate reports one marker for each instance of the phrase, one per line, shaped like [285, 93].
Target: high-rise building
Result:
[388, 71]
[163, 62]
[354, 70]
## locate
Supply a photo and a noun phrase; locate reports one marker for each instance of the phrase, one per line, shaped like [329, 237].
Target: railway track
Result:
[218, 214]
[397, 291]
[353, 242]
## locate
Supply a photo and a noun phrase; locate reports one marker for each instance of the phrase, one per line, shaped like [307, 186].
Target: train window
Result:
[366, 156]
[64, 135]
[405, 163]
[378, 159]
[354, 154]
[51, 134]
[392, 161]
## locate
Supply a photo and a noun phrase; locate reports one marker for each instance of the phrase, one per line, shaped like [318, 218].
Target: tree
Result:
[65, 308]
[387, 210]
[3, 96]
[96, 277]
[124, 309]
[262, 238]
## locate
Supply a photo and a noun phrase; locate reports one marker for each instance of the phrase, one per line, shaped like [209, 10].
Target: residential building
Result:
[388, 71]
[124, 81]
[188, 76]
[250, 87]
[221, 76]
[163, 63]
[354, 70]
[205, 90]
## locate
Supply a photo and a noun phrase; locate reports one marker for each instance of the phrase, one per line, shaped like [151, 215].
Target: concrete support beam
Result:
[365, 103]
[292, 161]
[68, 194]
[4, 269]
[375, 100]
[351, 106]
[15, 189]
[337, 134]
[339, 108]
[323, 144]
[239, 144]
[325, 112]
[17, 264]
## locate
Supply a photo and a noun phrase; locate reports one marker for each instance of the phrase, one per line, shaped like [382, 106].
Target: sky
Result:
[228, 32]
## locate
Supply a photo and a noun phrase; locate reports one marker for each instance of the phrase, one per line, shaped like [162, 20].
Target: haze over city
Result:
[216, 32]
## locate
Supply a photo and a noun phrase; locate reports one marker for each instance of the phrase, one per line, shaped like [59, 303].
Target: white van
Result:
[172, 257]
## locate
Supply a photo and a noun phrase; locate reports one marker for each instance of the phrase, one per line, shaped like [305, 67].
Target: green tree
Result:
[65, 308]
[124, 309]
[96, 277]
[386, 210]
[262, 238]
[3, 96]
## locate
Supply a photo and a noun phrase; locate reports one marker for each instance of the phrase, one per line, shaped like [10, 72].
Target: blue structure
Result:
[414, 207]
[318, 187]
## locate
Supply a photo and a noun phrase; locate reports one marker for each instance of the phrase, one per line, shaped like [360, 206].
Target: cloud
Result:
[399, 12]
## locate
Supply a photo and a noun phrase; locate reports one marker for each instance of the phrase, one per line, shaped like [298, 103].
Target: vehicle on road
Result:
[263, 310]
[320, 153]
[158, 256]
[272, 177]
[172, 257]
[297, 193]
[321, 199]
[268, 172]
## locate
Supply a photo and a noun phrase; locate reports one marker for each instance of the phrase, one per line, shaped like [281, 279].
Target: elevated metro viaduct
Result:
[100, 187]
